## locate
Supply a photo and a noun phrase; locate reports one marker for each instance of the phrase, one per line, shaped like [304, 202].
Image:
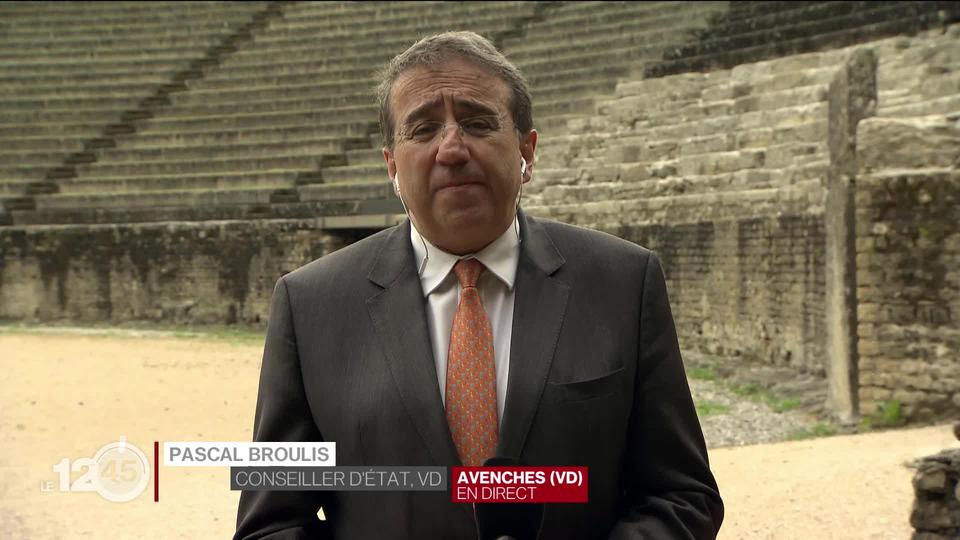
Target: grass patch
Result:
[236, 335]
[757, 393]
[710, 408]
[820, 429]
[746, 390]
[701, 374]
[888, 414]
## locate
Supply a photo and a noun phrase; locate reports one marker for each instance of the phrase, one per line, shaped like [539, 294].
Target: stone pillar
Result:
[852, 97]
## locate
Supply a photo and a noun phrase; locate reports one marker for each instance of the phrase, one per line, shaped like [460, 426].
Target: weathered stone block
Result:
[908, 143]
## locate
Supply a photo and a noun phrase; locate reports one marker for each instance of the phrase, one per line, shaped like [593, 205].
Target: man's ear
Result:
[391, 163]
[528, 149]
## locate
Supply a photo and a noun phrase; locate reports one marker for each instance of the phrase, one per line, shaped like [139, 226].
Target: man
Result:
[473, 330]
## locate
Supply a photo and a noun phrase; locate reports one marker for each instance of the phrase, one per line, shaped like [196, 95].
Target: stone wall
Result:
[908, 275]
[213, 272]
[765, 274]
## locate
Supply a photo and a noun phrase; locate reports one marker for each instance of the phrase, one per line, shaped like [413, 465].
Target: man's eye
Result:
[426, 129]
[478, 126]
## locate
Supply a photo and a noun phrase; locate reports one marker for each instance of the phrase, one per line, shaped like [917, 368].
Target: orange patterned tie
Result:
[471, 392]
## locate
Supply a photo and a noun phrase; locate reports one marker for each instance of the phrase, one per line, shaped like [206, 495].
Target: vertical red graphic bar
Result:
[156, 471]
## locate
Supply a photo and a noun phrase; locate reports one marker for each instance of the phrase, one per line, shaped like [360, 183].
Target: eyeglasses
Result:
[427, 131]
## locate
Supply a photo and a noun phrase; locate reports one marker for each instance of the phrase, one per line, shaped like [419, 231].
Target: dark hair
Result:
[468, 45]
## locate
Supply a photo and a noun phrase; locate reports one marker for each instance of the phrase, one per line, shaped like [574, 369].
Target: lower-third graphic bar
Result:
[338, 478]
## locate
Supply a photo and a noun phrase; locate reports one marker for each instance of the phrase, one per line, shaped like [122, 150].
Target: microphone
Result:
[507, 521]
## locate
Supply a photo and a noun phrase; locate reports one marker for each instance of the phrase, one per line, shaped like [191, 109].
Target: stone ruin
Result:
[936, 509]
[795, 164]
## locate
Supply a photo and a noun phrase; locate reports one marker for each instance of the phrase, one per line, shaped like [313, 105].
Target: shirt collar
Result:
[500, 257]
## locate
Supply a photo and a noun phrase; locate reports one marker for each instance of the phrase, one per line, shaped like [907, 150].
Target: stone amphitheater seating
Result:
[70, 71]
[751, 31]
[276, 132]
[254, 110]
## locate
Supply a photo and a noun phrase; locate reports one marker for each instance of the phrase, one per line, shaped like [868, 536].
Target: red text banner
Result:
[518, 484]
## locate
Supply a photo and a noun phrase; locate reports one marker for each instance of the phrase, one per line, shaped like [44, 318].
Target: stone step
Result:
[329, 113]
[686, 110]
[31, 157]
[329, 214]
[753, 130]
[643, 31]
[653, 188]
[307, 56]
[13, 188]
[256, 63]
[261, 164]
[117, 12]
[223, 151]
[337, 106]
[241, 95]
[104, 67]
[487, 23]
[141, 89]
[693, 208]
[41, 144]
[605, 71]
[279, 84]
[941, 105]
[545, 66]
[156, 199]
[899, 77]
[54, 46]
[24, 81]
[716, 93]
[599, 89]
[24, 105]
[323, 120]
[146, 21]
[254, 135]
[179, 182]
[730, 34]
[97, 56]
[25, 31]
[54, 116]
[380, 38]
[32, 172]
[85, 130]
[356, 92]
[333, 15]
[366, 172]
[365, 156]
[594, 39]
[351, 191]
[579, 16]
[255, 78]
[542, 108]
[795, 40]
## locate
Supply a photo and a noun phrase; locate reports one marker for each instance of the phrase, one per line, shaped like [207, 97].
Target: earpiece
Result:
[523, 166]
[396, 184]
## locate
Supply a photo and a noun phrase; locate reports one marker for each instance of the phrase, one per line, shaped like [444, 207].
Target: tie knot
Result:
[468, 272]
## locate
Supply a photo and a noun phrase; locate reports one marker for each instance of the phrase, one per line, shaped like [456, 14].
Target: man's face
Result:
[460, 185]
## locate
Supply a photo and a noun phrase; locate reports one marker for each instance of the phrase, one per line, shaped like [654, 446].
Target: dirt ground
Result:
[66, 396]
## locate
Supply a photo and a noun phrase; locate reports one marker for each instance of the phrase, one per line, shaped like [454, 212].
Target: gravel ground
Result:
[746, 421]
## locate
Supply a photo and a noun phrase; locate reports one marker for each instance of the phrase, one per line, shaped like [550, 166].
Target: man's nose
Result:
[453, 149]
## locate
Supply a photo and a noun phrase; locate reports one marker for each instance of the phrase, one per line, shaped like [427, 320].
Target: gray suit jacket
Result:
[595, 379]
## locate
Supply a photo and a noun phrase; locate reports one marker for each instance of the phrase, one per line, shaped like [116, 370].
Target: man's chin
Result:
[468, 230]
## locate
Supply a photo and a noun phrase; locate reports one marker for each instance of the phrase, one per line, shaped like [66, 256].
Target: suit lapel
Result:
[399, 317]
[539, 307]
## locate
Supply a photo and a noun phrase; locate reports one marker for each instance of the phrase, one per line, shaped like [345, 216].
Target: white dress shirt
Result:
[442, 291]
